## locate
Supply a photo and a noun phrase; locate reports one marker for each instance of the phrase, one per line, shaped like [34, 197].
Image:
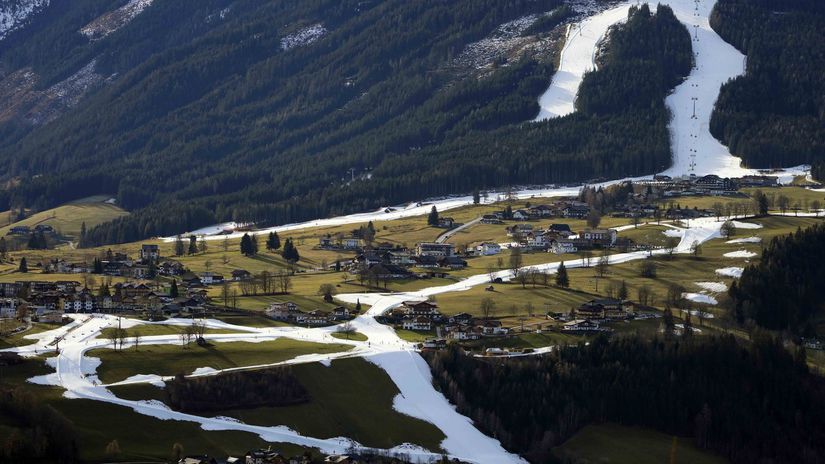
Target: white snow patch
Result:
[303, 37]
[717, 287]
[700, 298]
[325, 362]
[204, 371]
[735, 272]
[702, 314]
[746, 225]
[675, 233]
[152, 379]
[740, 254]
[14, 14]
[745, 240]
[114, 20]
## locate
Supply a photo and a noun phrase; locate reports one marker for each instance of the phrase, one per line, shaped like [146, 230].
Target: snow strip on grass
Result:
[700, 298]
[744, 240]
[735, 272]
[740, 254]
[717, 287]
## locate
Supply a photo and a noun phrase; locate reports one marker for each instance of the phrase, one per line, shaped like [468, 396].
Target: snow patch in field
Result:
[735, 272]
[675, 233]
[700, 298]
[745, 240]
[303, 37]
[717, 287]
[152, 379]
[702, 314]
[204, 371]
[13, 14]
[740, 254]
[746, 225]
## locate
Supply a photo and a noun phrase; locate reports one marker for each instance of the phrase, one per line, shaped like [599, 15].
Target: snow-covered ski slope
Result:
[716, 63]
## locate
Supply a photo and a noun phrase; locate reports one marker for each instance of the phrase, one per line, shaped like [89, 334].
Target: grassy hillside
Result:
[68, 219]
[615, 444]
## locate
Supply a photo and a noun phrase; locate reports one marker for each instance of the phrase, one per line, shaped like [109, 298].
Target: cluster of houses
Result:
[48, 301]
[290, 312]
[121, 265]
[386, 261]
[560, 209]
[710, 184]
[556, 238]
[26, 230]
[424, 316]
[270, 456]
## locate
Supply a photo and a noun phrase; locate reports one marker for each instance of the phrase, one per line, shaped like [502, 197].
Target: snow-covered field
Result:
[700, 298]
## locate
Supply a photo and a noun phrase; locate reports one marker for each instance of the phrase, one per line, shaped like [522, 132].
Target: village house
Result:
[600, 237]
[417, 323]
[426, 261]
[8, 307]
[424, 308]
[581, 325]
[210, 278]
[438, 250]
[562, 246]
[446, 222]
[604, 308]
[519, 230]
[351, 243]
[383, 271]
[281, 311]
[488, 249]
[490, 219]
[313, 318]
[452, 262]
[149, 253]
[521, 215]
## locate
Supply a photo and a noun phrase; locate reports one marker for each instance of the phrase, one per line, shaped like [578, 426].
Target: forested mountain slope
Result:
[774, 115]
[267, 111]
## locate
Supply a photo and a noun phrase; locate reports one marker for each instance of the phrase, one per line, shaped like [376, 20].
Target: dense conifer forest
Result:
[774, 116]
[748, 404]
[784, 289]
[228, 126]
[235, 390]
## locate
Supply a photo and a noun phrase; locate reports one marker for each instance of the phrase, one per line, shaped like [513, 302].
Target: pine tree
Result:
[358, 306]
[623, 291]
[193, 245]
[3, 249]
[253, 242]
[290, 253]
[97, 266]
[203, 246]
[432, 218]
[82, 240]
[562, 279]
[476, 197]
[246, 245]
[173, 290]
[23, 267]
[179, 247]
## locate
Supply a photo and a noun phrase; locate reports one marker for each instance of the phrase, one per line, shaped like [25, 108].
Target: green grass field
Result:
[175, 359]
[67, 219]
[352, 398]
[19, 339]
[615, 444]
[356, 336]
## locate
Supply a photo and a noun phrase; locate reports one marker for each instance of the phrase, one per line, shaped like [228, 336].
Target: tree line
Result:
[783, 289]
[236, 390]
[774, 114]
[754, 403]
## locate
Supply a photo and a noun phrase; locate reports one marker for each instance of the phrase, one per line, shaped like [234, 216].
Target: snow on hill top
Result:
[14, 13]
[303, 37]
[114, 20]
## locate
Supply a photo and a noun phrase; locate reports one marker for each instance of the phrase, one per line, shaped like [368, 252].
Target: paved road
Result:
[446, 235]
